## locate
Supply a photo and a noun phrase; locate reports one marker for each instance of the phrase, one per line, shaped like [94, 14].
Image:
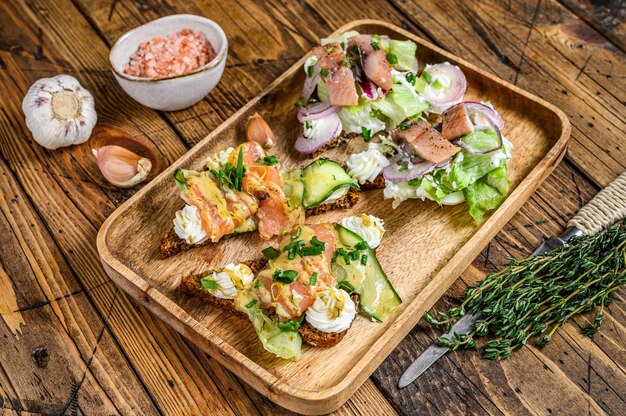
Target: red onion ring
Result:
[453, 94]
[315, 111]
[329, 128]
[392, 172]
[370, 90]
[485, 111]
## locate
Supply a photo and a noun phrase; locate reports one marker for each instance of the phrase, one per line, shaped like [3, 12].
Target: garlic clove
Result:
[259, 131]
[121, 167]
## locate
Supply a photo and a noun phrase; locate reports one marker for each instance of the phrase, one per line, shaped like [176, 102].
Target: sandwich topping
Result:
[226, 282]
[370, 228]
[332, 311]
[188, 225]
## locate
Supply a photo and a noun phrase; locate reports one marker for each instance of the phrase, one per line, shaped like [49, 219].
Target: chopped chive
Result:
[208, 283]
[437, 85]
[393, 59]
[299, 102]
[427, 77]
[270, 252]
[313, 279]
[347, 286]
[309, 71]
[410, 77]
[375, 113]
[343, 45]
[286, 276]
[308, 124]
[362, 245]
[364, 259]
[258, 284]
[366, 134]
[324, 72]
[329, 49]
[251, 304]
[269, 160]
[345, 63]
[296, 235]
[375, 46]
[290, 326]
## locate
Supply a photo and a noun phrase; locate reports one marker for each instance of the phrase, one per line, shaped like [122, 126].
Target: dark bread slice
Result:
[190, 285]
[378, 183]
[171, 244]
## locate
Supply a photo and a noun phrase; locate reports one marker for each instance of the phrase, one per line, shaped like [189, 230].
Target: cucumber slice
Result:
[294, 187]
[377, 297]
[321, 178]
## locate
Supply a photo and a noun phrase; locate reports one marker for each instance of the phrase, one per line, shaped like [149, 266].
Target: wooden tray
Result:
[425, 249]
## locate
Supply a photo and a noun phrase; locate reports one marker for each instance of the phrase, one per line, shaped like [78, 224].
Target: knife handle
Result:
[605, 209]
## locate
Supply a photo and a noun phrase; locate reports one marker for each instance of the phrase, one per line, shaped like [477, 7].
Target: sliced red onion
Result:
[325, 130]
[449, 96]
[484, 152]
[443, 164]
[316, 111]
[310, 83]
[392, 172]
[370, 90]
[485, 111]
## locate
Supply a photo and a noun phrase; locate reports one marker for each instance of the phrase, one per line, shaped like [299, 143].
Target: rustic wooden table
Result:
[72, 342]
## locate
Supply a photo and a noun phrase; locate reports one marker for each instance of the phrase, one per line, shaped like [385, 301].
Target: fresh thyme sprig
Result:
[231, 176]
[536, 296]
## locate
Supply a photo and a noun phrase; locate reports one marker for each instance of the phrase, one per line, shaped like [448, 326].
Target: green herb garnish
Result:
[404, 126]
[258, 284]
[299, 102]
[251, 304]
[296, 235]
[536, 296]
[393, 59]
[180, 179]
[324, 72]
[437, 85]
[284, 276]
[375, 46]
[290, 326]
[308, 124]
[270, 252]
[364, 259]
[313, 279]
[309, 71]
[345, 63]
[208, 283]
[230, 177]
[375, 113]
[347, 286]
[269, 160]
[410, 77]
[366, 134]
[362, 245]
[427, 77]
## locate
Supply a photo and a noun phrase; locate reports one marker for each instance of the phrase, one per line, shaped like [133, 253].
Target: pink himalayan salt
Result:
[176, 54]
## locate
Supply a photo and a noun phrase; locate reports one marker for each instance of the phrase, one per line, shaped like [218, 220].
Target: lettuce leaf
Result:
[399, 104]
[285, 345]
[466, 168]
[354, 119]
[405, 52]
[487, 193]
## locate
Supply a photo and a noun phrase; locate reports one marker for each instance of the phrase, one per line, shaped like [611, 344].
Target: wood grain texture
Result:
[322, 380]
[30, 49]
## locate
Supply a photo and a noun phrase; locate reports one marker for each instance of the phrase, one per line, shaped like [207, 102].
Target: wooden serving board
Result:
[425, 249]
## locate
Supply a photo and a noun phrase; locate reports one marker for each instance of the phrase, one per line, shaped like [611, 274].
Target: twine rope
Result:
[605, 209]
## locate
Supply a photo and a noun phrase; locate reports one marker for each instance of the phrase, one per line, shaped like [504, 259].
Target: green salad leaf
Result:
[405, 51]
[284, 344]
[487, 193]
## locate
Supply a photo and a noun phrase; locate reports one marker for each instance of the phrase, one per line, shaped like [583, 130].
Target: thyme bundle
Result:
[536, 296]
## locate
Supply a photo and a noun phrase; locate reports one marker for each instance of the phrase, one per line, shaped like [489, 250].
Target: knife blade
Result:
[605, 209]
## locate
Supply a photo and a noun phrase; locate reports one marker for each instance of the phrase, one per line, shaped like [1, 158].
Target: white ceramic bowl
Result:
[176, 92]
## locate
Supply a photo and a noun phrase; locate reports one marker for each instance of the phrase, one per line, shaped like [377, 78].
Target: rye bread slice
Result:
[190, 285]
[171, 244]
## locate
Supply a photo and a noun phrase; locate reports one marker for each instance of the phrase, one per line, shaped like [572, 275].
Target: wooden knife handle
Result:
[605, 209]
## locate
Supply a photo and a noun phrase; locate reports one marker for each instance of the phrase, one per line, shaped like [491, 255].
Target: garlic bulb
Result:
[259, 131]
[122, 167]
[59, 112]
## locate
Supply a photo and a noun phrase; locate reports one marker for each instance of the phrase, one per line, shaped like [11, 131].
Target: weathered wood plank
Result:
[547, 50]
[607, 17]
[61, 356]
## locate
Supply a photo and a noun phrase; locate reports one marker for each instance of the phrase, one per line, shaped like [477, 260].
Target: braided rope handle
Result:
[605, 209]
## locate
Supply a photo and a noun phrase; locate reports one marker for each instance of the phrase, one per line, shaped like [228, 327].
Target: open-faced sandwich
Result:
[308, 288]
[424, 141]
[245, 189]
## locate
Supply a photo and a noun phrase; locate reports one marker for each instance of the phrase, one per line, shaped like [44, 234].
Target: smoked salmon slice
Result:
[456, 122]
[337, 75]
[373, 59]
[422, 140]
